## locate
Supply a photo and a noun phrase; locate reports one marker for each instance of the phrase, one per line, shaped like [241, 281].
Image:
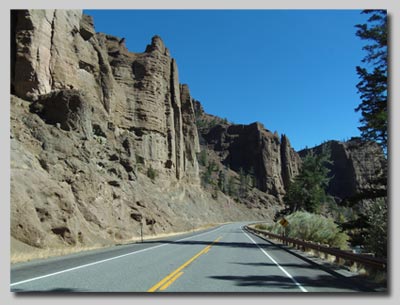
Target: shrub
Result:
[203, 158]
[261, 226]
[151, 173]
[314, 228]
[377, 216]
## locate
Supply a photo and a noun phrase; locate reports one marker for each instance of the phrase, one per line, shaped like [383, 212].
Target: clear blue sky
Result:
[292, 70]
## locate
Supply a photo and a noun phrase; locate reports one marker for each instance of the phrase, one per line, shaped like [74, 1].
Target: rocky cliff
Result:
[358, 168]
[64, 67]
[252, 149]
[102, 139]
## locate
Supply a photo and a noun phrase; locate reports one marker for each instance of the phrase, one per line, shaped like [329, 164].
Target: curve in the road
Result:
[106, 260]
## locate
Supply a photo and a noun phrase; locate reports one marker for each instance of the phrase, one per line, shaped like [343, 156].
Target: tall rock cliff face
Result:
[102, 139]
[251, 148]
[153, 109]
[136, 95]
[358, 168]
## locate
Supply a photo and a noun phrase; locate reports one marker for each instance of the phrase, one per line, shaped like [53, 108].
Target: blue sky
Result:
[292, 70]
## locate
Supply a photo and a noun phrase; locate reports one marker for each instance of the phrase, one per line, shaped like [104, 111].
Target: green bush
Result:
[377, 216]
[202, 158]
[151, 173]
[314, 228]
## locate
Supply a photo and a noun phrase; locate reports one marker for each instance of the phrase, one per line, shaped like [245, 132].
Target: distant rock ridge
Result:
[358, 167]
[253, 149]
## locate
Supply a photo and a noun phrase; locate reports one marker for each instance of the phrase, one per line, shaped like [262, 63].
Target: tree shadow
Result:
[331, 284]
[46, 291]
[282, 265]
[206, 243]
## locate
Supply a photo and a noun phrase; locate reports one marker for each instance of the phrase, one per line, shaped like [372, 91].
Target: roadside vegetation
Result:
[364, 217]
[314, 228]
[314, 216]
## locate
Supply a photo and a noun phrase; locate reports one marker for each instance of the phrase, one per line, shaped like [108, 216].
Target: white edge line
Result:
[108, 259]
[276, 263]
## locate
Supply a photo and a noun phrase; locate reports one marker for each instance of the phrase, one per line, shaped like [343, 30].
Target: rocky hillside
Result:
[252, 149]
[102, 139]
[358, 169]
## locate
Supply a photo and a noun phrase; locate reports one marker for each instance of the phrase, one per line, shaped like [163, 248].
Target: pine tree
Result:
[307, 191]
[203, 158]
[231, 187]
[222, 181]
[253, 179]
[373, 85]
[242, 183]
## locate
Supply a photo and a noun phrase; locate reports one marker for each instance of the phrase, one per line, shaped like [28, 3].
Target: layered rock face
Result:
[138, 94]
[253, 149]
[358, 167]
[102, 139]
[157, 108]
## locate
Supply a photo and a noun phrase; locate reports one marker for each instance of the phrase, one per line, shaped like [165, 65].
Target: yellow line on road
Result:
[166, 285]
[170, 278]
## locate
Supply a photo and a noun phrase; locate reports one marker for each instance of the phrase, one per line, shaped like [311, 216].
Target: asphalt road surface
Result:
[222, 259]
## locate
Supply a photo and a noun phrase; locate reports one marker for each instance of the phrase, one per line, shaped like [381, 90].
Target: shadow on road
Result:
[284, 265]
[322, 281]
[46, 291]
[344, 281]
[206, 243]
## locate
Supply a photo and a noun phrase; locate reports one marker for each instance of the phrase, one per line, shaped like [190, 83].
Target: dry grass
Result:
[36, 253]
[162, 235]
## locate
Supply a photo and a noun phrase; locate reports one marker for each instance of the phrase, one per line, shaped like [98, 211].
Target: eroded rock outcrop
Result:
[251, 148]
[137, 95]
[68, 108]
[358, 168]
[153, 109]
[102, 139]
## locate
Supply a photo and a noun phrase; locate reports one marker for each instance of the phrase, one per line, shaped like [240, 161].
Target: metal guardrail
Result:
[376, 263]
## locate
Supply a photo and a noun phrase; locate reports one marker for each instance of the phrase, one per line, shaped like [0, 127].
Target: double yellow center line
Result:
[173, 276]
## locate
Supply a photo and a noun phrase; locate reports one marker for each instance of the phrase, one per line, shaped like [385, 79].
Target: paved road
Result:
[221, 259]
